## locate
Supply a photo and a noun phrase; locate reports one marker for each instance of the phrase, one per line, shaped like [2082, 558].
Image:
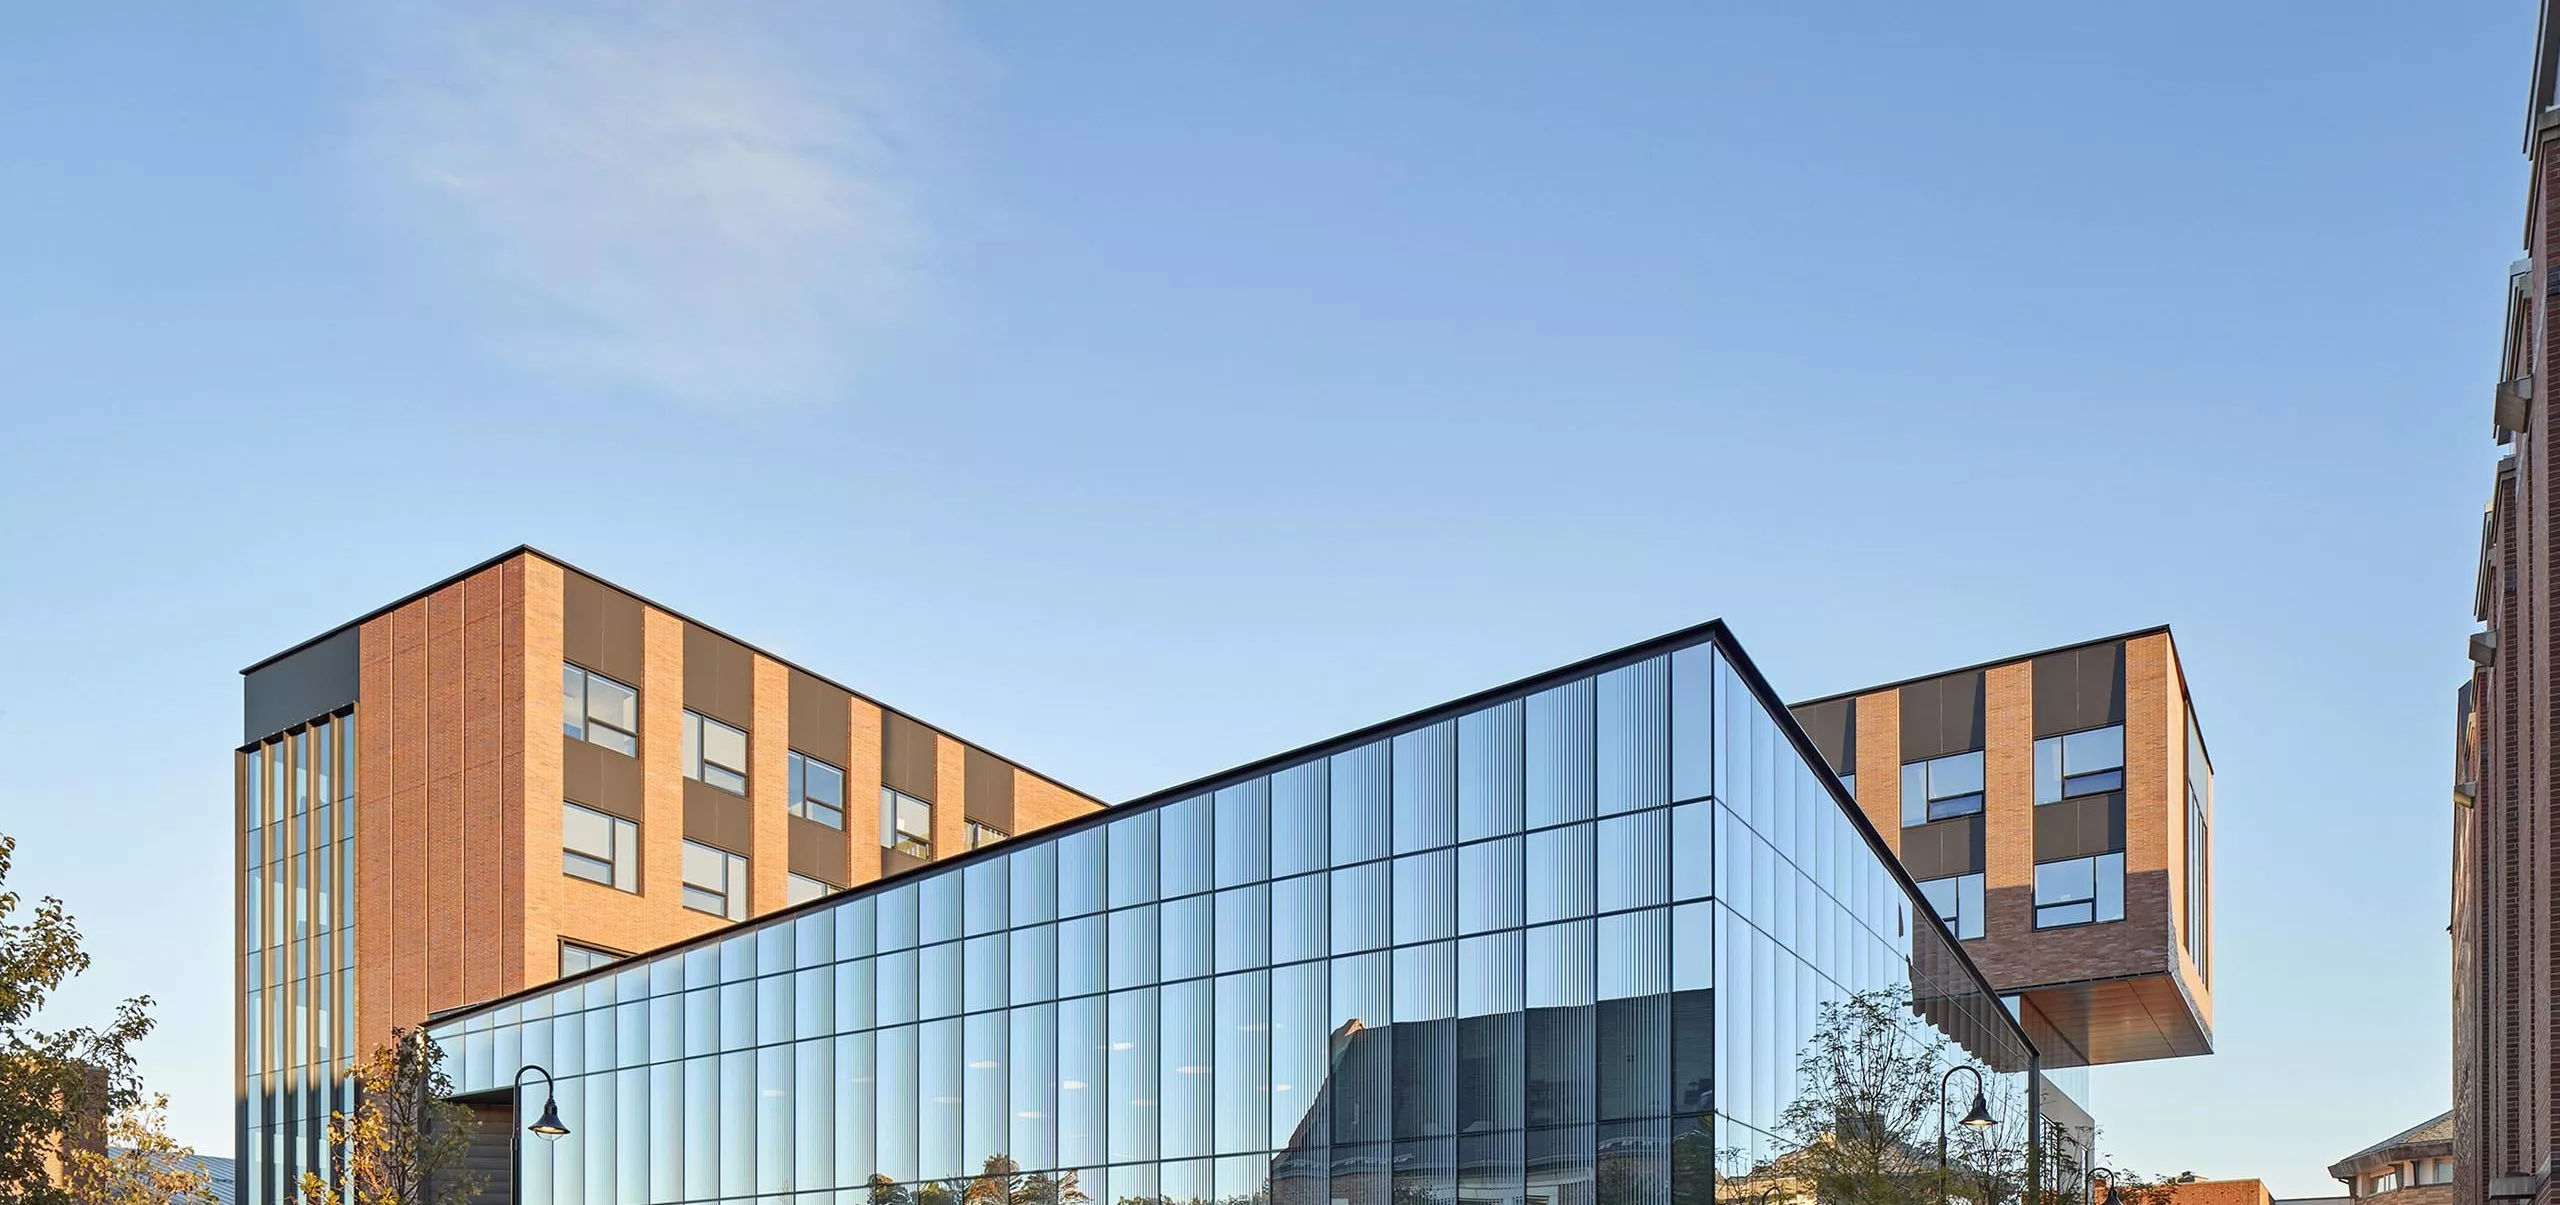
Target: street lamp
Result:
[548, 1126]
[2097, 1174]
[1979, 1116]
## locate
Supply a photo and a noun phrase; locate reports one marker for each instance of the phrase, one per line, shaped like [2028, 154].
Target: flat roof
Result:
[645, 600]
[1712, 631]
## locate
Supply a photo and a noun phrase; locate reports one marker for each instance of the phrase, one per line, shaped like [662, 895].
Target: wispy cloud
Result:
[717, 202]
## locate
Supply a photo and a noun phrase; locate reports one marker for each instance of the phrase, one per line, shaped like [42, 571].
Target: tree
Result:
[1865, 1122]
[59, 1089]
[139, 1164]
[1003, 1182]
[405, 1143]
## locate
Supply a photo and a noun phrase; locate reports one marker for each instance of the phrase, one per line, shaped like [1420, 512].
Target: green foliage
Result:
[60, 1090]
[406, 1141]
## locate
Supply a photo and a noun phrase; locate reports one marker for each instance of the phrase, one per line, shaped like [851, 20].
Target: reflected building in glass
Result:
[1562, 942]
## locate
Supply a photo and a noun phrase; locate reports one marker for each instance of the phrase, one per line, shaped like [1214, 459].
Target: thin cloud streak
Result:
[668, 197]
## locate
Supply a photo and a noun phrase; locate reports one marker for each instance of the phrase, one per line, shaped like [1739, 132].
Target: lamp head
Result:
[1979, 1116]
[548, 1125]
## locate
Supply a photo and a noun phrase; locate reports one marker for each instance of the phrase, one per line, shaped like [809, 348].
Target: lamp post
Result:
[2098, 1175]
[548, 1126]
[1979, 1116]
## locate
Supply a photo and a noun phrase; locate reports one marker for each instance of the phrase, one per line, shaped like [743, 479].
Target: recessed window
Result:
[800, 888]
[817, 790]
[906, 823]
[599, 847]
[715, 881]
[2080, 763]
[599, 710]
[715, 753]
[1942, 787]
[575, 958]
[2079, 891]
[985, 834]
[1958, 901]
[2386, 1182]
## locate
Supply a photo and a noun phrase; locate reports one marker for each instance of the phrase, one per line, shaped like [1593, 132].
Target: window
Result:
[576, 959]
[1942, 787]
[2199, 916]
[715, 753]
[985, 834]
[1958, 901]
[2386, 1182]
[715, 881]
[906, 823]
[2080, 891]
[2080, 763]
[598, 710]
[800, 889]
[817, 790]
[599, 848]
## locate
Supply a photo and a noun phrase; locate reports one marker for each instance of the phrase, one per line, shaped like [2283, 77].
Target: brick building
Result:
[414, 837]
[2506, 817]
[2412, 1167]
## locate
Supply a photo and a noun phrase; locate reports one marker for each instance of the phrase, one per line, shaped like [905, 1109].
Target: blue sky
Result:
[1143, 388]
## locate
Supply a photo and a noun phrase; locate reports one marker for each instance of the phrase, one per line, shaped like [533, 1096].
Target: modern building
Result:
[2506, 862]
[2057, 811]
[2412, 1167]
[414, 837]
[1559, 943]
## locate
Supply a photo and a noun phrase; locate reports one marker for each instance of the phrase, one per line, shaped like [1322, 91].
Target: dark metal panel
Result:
[2079, 688]
[906, 756]
[716, 817]
[989, 783]
[1833, 725]
[818, 852]
[719, 677]
[600, 627]
[307, 684]
[1942, 715]
[600, 778]
[1942, 848]
[821, 722]
[2078, 828]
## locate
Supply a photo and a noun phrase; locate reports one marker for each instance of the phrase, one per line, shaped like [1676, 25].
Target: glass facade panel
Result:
[1572, 947]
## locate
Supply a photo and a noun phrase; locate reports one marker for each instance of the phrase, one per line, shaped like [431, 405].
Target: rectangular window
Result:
[599, 848]
[1942, 787]
[1958, 901]
[2080, 763]
[2386, 1182]
[715, 881]
[800, 889]
[817, 790]
[985, 834]
[599, 710]
[575, 958]
[715, 753]
[2079, 891]
[906, 823]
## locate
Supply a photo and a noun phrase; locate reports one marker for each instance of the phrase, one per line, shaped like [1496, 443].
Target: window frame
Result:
[697, 755]
[615, 827]
[732, 891]
[609, 956]
[1966, 924]
[2099, 902]
[895, 836]
[1925, 771]
[800, 802]
[980, 834]
[791, 888]
[2058, 782]
[629, 745]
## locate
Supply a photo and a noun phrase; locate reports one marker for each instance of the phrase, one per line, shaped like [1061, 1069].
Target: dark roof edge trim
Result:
[645, 600]
[1712, 631]
[1978, 666]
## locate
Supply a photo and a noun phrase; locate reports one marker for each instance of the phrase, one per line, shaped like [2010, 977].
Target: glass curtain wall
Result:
[297, 950]
[1559, 948]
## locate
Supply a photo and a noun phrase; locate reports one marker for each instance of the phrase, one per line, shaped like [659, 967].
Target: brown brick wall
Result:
[2214, 1192]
